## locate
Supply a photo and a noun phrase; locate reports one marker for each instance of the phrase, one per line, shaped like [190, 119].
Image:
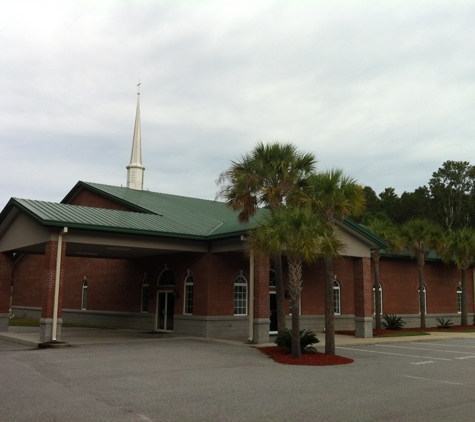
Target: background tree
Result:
[298, 232]
[333, 196]
[460, 250]
[452, 188]
[420, 237]
[417, 204]
[268, 177]
[387, 231]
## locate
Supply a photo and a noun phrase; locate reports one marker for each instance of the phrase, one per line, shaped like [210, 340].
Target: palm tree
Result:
[333, 196]
[460, 249]
[420, 237]
[268, 177]
[297, 232]
[387, 231]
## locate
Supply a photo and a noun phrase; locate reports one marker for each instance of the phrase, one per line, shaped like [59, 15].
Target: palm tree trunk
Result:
[377, 292]
[329, 308]
[464, 319]
[422, 303]
[295, 277]
[279, 292]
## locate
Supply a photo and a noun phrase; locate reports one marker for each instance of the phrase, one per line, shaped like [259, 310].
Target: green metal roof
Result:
[74, 216]
[155, 214]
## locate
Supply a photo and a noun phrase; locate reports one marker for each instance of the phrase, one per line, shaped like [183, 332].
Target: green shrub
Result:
[442, 323]
[392, 322]
[307, 338]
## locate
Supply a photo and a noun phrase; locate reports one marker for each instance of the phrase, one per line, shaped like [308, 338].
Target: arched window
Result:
[271, 278]
[424, 293]
[188, 307]
[336, 298]
[166, 278]
[240, 295]
[459, 299]
[84, 294]
[380, 299]
[146, 294]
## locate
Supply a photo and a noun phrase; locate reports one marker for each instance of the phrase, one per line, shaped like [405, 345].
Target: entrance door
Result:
[165, 311]
[273, 313]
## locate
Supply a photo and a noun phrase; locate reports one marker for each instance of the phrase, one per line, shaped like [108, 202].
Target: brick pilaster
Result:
[6, 273]
[363, 297]
[363, 287]
[49, 280]
[261, 288]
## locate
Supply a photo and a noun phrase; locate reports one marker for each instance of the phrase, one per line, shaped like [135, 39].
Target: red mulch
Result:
[384, 332]
[309, 358]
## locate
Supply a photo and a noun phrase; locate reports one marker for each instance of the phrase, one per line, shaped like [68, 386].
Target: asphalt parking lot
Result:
[202, 380]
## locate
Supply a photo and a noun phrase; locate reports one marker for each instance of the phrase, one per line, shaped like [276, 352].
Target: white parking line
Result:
[420, 348]
[452, 345]
[432, 380]
[388, 353]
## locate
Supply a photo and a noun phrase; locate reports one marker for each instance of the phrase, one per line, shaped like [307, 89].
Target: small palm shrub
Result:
[442, 323]
[307, 338]
[393, 322]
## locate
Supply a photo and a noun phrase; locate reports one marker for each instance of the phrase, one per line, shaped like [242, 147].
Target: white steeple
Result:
[135, 170]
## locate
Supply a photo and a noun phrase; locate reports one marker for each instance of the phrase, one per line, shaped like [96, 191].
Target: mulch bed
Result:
[386, 332]
[281, 355]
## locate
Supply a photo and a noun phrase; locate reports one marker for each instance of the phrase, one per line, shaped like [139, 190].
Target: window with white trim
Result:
[380, 299]
[336, 298]
[424, 293]
[84, 294]
[166, 278]
[188, 306]
[145, 294]
[240, 295]
[459, 299]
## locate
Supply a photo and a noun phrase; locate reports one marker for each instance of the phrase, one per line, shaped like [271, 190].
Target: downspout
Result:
[56, 282]
[251, 298]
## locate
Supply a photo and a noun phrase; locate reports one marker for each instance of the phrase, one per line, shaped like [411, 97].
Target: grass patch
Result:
[404, 334]
[24, 322]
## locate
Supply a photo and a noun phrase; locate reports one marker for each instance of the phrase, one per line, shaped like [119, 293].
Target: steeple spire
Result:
[135, 170]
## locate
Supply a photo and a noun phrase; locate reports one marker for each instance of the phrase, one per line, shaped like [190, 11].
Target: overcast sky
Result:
[384, 90]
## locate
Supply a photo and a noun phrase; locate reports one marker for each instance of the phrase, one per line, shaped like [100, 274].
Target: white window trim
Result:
[187, 285]
[380, 299]
[459, 299]
[336, 287]
[424, 290]
[241, 284]
[84, 295]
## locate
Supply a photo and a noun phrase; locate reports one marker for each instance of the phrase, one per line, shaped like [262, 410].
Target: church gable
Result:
[88, 198]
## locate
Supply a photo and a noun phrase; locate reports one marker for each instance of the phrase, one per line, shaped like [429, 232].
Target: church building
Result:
[125, 257]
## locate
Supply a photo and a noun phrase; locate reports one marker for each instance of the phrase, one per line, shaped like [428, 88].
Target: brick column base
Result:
[46, 329]
[364, 327]
[4, 321]
[261, 330]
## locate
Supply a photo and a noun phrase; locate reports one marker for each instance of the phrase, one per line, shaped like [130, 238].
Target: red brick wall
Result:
[6, 265]
[261, 283]
[90, 199]
[400, 284]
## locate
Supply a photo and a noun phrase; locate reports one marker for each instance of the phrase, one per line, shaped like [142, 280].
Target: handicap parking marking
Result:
[394, 354]
[420, 348]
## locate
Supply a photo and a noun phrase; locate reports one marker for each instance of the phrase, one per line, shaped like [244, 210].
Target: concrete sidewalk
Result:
[80, 336]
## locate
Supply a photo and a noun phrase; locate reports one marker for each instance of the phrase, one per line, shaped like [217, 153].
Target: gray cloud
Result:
[383, 90]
